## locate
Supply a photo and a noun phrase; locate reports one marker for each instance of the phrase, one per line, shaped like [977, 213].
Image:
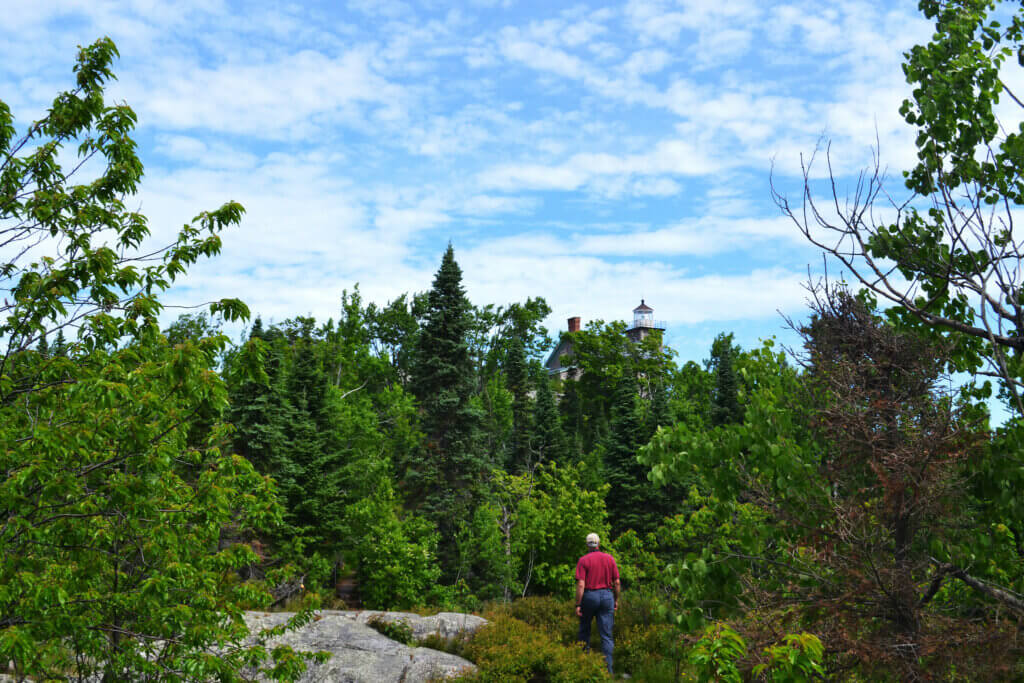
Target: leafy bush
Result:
[715, 656]
[649, 653]
[508, 649]
[646, 649]
[796, 659]
[396, 629]
[455, 598]
[455, 645]
[397, 558]
[554, 616]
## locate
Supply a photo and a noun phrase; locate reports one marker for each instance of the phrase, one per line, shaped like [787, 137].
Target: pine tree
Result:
[548, 442]
[620, 448]
[659, 413]
[632, 502]
[258, 409]
[307, 433]
[517, 379]
[725, 405]
[44, 348]
[60, 345]
[446, 477]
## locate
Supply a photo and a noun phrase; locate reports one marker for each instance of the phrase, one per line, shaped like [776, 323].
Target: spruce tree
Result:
[445, 478]
[518, 383]
[659, 413]
[307, 433]
[548, 439]
[60, 345]
[258, 410]
[632, 500]
[725, 405]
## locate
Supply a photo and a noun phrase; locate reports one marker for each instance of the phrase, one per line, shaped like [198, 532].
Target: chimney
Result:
[574, 324]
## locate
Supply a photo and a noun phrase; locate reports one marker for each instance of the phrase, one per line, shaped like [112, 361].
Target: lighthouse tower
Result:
[644, 323]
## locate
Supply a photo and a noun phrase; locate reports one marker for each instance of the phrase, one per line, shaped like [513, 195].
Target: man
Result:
[597, 595]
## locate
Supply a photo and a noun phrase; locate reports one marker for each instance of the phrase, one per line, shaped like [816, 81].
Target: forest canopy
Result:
[844, 509]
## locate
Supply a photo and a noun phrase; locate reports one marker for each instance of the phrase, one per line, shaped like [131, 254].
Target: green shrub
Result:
[508, 649]
[554, 616]
[397, 562]
[795, 660]
[715, 656]
[645, 649]
[395, 629]
[651, 653]
[453, 646]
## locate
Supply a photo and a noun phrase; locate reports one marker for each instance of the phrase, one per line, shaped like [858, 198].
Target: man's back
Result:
[597, 570]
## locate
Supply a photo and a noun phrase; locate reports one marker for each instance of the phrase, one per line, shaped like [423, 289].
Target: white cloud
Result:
[399, 224]
[673, 157]
[271, 100]
[591, 155]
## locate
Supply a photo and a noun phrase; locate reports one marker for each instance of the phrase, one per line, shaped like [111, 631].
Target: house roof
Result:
[563, 348]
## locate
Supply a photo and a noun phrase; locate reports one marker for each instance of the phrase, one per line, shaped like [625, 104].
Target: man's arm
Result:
[580, 583]
[615, 589]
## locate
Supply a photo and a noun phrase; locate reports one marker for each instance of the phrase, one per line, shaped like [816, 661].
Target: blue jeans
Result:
[601, 604]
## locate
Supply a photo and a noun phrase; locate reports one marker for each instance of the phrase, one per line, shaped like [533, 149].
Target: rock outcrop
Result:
[361, 654]
[445, 624]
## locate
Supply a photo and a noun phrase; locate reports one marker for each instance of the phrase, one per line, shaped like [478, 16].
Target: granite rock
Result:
[359, 654]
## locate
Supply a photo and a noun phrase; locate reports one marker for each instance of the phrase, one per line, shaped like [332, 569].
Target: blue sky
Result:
[592, 154]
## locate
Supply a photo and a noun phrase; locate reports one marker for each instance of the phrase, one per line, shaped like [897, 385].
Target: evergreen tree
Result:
[258, 409]
[446, 476]
[548, 442]
[44, 348]
[659, 413]
[725, 404]
[307, 434]
[630, 496]
[518, 384]
[60, 345]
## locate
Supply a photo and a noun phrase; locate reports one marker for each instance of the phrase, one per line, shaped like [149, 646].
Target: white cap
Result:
[593, 540]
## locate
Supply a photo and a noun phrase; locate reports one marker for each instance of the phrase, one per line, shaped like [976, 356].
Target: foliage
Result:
[633, 503]
[894, 449]
[528, 534]
[114, 557]
[446, 477]
[798, 658]
[952, 241]
[553, 522]
[649, 651]
[547, 440]
[551, 614]
[706, 554]
[725, 404]
[485, 561]
[517, 379]
[398, 630]
[397, 565]
[839, 491]
[948, 262]
[507, 649]
[602, 356]
[707, 549]
[716, 655]
[305, 415]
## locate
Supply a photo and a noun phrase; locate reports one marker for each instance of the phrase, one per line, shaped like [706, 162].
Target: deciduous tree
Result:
[110, 519]
[948, 256]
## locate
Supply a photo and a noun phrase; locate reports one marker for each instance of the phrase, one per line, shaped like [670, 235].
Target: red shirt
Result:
[597, 570]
